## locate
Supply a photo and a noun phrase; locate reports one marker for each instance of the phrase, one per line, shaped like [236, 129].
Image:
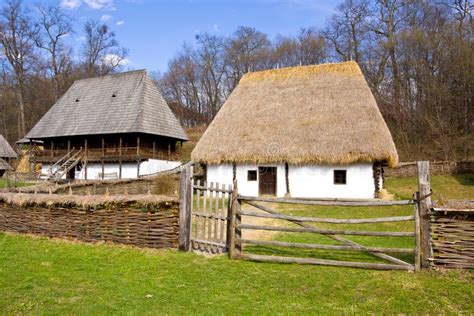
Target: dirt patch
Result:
[251, 220]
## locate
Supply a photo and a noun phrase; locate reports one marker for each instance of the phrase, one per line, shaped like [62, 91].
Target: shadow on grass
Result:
[465, 179]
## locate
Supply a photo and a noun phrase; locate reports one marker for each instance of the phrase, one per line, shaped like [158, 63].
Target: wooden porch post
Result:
[30, 156]
[52, 149]
[424, 205]
[287, 180]
[138, 156]
[86, 160]
[120, 157]
[154, 145]
[103, 154]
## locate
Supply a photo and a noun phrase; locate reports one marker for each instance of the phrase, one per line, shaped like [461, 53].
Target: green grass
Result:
[40, 275]
[444, 187]
[3, 183]
[57, 277]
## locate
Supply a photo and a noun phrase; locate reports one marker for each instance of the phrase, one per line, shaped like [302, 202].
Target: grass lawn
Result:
[3, 183]
[39, 275]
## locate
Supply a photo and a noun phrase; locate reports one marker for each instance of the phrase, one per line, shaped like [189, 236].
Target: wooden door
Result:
[267, 180]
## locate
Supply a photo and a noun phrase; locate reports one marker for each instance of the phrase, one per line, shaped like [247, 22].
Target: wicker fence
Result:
[437, 168]
[452, 228]
[143, 221]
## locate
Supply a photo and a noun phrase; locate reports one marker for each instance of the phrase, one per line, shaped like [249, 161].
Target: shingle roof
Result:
[4, 165]
[120, 103]
[300, 115]
[6, 151]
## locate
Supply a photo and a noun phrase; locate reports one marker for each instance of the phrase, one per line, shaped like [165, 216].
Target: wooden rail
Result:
[326, 231]
[330, 220]
[335, 263]
[326, 202]
[323, 247]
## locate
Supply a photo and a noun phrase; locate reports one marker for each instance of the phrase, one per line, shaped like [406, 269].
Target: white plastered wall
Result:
[129, 170]
[311, 181]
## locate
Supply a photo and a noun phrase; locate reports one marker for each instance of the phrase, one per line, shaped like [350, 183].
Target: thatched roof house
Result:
[301, 116]
[6, 151]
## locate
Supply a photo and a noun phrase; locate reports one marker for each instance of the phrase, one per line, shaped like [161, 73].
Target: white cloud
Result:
[100, 4]
[105, 17]
[113, 59]
[120, 23]
[70, 4]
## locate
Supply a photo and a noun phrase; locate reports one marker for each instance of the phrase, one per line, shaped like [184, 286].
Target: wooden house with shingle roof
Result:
[7, 154]
[311, 131]
[115, 126]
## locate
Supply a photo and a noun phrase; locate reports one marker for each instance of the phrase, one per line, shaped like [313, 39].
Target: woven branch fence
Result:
[452, 230]
[143, 221]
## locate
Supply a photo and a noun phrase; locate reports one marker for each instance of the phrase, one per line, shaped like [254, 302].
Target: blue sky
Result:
[154, 30]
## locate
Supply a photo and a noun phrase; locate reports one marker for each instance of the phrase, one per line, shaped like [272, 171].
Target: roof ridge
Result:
[114, 74]
[347, 67]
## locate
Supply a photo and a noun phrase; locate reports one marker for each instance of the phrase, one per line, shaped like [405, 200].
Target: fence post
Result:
[185, 197]
[231, 222]
[424, 204]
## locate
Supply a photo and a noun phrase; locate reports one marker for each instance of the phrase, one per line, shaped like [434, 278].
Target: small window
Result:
[252, 175]
[340, 176]
[77, 100]
[114, 95]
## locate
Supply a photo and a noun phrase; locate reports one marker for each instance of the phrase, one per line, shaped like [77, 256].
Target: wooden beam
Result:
[120, 157]
[327, 202]
[331, 220]
[185, 210]
[231, 223]
[376, 266]
[424, 204]
[287, 180]
[86, 161]
[154, 148]
[103, 155]
[323, 247]
[326, 231]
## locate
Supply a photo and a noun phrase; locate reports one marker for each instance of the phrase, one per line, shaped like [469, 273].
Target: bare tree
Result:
[347, 27]
[17, 39]
[53, 26]
[101, 52]
[247, 50]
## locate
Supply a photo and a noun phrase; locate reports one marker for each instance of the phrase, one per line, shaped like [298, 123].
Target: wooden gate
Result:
[307, 225]
[211, 221]
[209, 216]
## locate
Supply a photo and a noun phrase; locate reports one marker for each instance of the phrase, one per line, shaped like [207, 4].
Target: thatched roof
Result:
[6, 151]
[128, 102]
[300, 115]
[4, 165]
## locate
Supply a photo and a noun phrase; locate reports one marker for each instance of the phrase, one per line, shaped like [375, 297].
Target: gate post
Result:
[185, 205]
[424, 205]
[231, 222]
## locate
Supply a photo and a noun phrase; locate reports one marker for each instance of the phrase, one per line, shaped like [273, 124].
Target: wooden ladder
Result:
[64, 165]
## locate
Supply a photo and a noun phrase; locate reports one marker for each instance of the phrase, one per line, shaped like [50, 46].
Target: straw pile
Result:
[323, 114]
